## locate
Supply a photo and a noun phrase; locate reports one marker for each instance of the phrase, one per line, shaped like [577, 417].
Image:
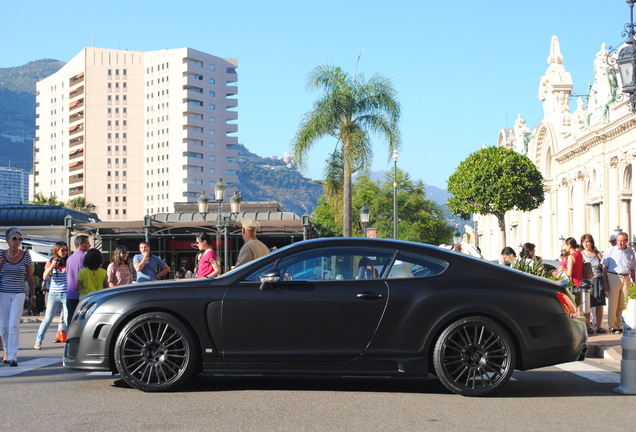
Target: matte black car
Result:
[340, 306]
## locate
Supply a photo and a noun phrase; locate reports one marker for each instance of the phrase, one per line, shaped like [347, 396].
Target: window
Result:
[411, 265]
[343, 263]
[212, 157]
[212, 68]
[193, 155]
[212, 81]
[212, 106]
[212, 132]
[212, 93]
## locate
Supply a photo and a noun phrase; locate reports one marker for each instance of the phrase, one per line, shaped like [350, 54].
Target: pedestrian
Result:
[619, 266]
[74, 264]
[508, 256]
[92, 277]
[593, 257]
[119, 271]
[149, 267]
[15, 267]
[253, 248]
[208, 262]
[55, 270]
[575, 273]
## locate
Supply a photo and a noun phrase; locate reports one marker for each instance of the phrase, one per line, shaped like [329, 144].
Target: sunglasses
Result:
[14, 238]
[123, 252]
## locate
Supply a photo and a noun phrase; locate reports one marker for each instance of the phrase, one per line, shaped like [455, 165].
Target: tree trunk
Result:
[346, 190]
[502, 228]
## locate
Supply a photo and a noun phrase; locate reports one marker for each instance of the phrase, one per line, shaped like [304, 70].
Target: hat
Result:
[12, 230]
[250, 224]
[612, 237]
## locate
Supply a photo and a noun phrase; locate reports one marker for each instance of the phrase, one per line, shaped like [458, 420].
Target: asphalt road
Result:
[40, 395]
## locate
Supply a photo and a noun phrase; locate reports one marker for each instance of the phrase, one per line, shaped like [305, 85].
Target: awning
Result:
[76, 151]
[73, 104]
[72, 128]
[74, 164]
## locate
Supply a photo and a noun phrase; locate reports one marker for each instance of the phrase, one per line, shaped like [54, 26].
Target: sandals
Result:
[601, 330]
[590, 331]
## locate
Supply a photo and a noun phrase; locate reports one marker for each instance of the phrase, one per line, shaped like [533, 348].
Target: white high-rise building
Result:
[134, 132]
[14, 185]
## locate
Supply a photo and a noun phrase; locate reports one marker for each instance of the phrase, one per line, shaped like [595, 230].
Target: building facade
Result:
[586, 158]
[14, 186]
[135, 132]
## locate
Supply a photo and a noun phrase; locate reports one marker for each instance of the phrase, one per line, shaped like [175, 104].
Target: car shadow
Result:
[539, 384]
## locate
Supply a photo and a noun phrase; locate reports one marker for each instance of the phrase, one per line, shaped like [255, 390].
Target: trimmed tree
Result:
[495, 180]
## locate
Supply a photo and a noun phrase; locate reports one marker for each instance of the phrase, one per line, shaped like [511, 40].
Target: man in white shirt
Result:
[619, 267]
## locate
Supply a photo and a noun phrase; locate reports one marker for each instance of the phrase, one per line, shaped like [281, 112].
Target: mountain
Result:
[17, 111]
[260, 179]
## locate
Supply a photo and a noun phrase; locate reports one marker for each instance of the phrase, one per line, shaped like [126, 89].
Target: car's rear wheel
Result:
[474, 356]
[155, 352]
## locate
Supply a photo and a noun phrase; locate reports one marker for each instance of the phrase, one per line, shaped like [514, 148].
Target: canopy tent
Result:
[38, 257]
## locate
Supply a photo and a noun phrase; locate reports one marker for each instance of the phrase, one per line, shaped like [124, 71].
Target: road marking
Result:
[590, 372]
[28, 365]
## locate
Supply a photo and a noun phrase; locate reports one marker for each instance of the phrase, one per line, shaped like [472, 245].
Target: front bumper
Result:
[88, 343]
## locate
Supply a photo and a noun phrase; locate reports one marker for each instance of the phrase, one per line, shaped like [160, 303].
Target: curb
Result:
[606, 352]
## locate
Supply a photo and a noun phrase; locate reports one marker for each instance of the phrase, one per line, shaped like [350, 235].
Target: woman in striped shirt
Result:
[119, 270]
[15, 267]
[55, 268]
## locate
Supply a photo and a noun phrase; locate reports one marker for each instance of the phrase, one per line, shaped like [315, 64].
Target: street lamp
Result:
[235, 209]
[395, 211]
[364, 218]
[626, 59]
[219, 196]
[203, 202]
[457, 237]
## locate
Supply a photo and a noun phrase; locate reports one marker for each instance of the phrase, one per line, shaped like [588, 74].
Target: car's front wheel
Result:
[155, 352]
[474, 356]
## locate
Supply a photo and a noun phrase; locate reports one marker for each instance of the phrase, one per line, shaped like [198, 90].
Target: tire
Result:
[155, 352]
[474, 356]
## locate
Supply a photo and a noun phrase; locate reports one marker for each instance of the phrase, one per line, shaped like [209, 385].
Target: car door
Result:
[320, 310]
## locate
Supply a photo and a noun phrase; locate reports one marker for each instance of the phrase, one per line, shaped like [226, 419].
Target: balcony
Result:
[75, 166]
[76, 104]
[77, 178]
[76, 129]
[77, 92]
[76, 191]
[76, 117]
[75, 154]
[76, 141]
[76, 79]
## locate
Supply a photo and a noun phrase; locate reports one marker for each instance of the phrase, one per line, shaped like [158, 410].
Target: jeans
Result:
[54, 300]
[11, 307]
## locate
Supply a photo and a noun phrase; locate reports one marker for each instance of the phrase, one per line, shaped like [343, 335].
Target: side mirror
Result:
[269, 279]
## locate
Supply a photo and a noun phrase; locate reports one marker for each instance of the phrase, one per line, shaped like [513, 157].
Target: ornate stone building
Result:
[585, 157]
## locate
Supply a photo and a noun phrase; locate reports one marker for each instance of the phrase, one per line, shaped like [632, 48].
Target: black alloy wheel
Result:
[474, 356]
[155, 352]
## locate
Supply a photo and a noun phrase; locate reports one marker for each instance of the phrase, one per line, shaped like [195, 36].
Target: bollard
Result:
[628, 344]
[586, 286]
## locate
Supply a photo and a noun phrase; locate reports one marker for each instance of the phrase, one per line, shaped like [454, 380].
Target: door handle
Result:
[369, 295]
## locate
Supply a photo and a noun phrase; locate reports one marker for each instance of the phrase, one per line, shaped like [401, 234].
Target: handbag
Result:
[588, 273]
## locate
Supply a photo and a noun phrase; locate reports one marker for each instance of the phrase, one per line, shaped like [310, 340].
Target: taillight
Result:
[567, 304]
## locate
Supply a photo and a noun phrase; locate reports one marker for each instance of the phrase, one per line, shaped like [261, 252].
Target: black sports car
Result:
[339, 306]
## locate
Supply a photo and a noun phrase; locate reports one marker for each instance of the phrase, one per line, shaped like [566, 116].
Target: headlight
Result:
[87, 311]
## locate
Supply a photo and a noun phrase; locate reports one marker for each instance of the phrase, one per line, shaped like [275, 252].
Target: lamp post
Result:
[219, 196]
[395, 211]
[626, 60]
[457, 237]
[364, 218]
[235, 209]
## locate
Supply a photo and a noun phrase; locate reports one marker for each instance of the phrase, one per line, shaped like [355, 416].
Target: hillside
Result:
[267, 179]
[17, 111]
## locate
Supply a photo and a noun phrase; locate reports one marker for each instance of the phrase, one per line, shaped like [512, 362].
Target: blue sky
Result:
[462, 69]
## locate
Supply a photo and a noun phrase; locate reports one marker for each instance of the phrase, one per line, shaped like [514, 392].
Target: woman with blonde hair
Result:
[119, 270]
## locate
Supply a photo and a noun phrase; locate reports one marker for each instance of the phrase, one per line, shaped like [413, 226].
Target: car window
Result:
[410, 265]
[342, 263]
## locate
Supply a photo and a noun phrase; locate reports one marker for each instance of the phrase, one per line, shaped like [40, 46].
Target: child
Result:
[92, 277]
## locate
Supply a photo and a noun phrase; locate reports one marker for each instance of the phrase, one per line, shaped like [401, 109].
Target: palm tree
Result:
[349, 110]
[80, 204]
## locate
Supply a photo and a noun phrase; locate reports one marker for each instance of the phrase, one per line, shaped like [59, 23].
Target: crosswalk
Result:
[580, 369]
